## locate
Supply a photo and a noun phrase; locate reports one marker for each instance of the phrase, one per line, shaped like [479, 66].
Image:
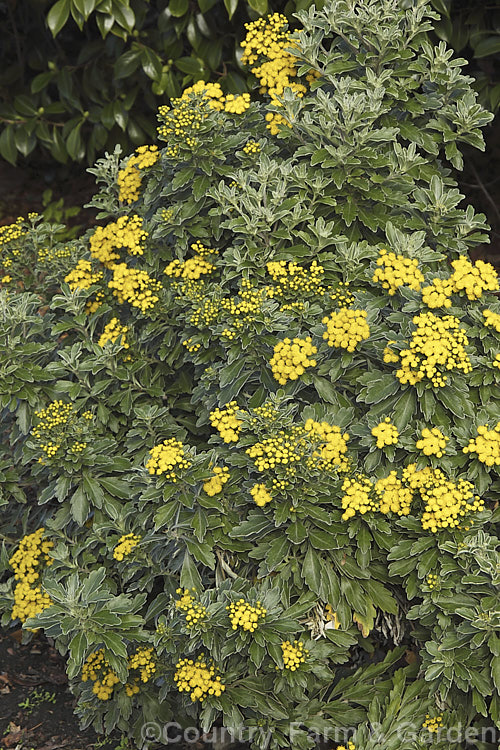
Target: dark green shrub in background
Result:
[79, 76]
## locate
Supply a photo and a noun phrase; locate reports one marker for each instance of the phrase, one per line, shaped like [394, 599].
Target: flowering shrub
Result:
[258, 424]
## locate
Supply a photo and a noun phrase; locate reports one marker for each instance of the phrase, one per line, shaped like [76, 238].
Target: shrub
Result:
[265, 443]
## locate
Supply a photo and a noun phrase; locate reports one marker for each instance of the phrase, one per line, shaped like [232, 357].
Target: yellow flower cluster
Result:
[194, 611]
[190, 346]
[198, 678]
[187, 115]
[285, 448]
[433, 442]
[389, 355]
[145, 663]
[357, 496]
[437, 344]
[473, 278]
[468, 277]
[266, 41]
[96, 668]
[396, 270]
[432, 723]
[126, 232]
[167, 458]
[333, 445]
[293, 280]
[393, 496]
[216, 483]
[496, 361]
[486, 445]
[49, 255]
[492, 319]
[11, 232]
[125, 545]
[432, 580]
[134, 286]
[243, 615]
[386, 433]
[56, 415]
[350, 746]
[346, 328]
[438, 293]
[251, 147]
[291, 358]
[260, 495]
[445, 501]
[342, 295]
[112, 332]
[294, 654]
[27, 561]
[82, 276]
[129, 179]
[225, 421]
[193, 268]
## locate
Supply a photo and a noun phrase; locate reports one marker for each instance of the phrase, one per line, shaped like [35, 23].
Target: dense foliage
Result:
[79, 76]
[251, 423]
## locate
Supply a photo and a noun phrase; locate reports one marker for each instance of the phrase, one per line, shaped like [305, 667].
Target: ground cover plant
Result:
[251, 422]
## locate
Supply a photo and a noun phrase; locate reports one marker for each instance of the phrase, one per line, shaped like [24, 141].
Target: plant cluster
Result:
[244, 448]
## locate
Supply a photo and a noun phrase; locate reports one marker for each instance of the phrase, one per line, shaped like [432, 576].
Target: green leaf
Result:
[190, 65]
[311, 570]
[8, 144]
[259, 6]
[114, 643]
[127, 63]
[123, 14]
[74, 143]
[57, 16]
[487, 46]
[442, 7]
[190, 578]
[93, 491]
[151, 63]
[377, 387]
[231, 6]
[178, 7]
[296, 532]
[201, 552]
[495, 671]
[80, 505]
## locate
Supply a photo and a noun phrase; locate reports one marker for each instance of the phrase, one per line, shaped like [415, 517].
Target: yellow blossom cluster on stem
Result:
[386, 433]
[446, 501]
[130, 178]
[194, 611]
[486, 445]
[225, 421]
[285, 449]
[186, 114]
[11, 232]
[265, 43]
[215, 484]
[472, 278]
[251, 147]
[389, 355]
[342, 295]
[432, 723]
[82, 276]
[244, 615]
[27, 562]
[168, 459]
[261, 495]
[126, 543]
[143, 662]
[293, 280]
[346, 328]
[291, 358]
[199, 678]
[48, 255]
[96, 669]
[350, 746]
[432, 580]
[392, 495]
[192, 268]
[396, 270]
[294, 654]
[114, 331]
[433, 442]
[126, 232]
[437, 345]
[134, 286]
[357, 497]
[492, 319]
[331, 453]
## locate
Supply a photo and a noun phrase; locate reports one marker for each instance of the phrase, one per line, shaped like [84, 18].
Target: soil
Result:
[36, 707]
